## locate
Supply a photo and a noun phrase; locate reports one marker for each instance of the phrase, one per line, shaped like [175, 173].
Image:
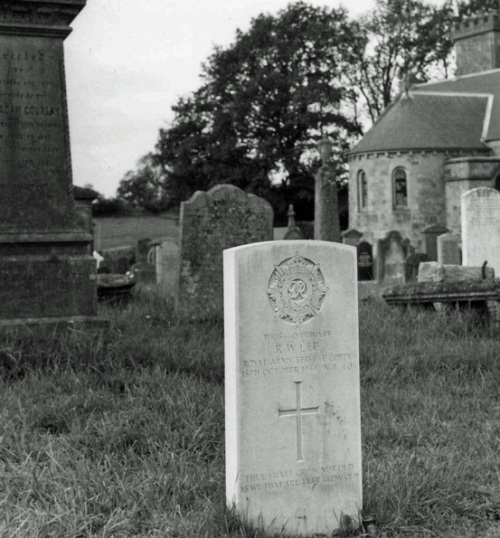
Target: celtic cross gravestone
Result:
[293, 435]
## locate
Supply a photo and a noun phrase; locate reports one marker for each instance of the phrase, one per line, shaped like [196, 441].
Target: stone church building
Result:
[434, 142]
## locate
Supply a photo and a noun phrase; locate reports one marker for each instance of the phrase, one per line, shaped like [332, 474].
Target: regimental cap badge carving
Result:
[296, 290]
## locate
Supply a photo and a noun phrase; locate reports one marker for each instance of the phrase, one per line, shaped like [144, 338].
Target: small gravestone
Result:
[167, 268]
[448, 247]
[351, 237]
[292, 231]
[142, 250]
[392, 252]
[210, 222]
[481, 228]
[119, 259]
[365, 260]
[431, 234]
[122, 265]
[412, 265]
[293, 433]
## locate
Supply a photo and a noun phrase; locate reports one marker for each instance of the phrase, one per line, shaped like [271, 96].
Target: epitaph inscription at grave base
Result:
[293, 439]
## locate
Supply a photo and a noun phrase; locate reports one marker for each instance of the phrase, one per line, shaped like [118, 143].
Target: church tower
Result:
[477, 42]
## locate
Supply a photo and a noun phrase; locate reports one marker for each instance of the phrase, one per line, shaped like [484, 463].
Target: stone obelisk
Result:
[47, 274]
[326, 205]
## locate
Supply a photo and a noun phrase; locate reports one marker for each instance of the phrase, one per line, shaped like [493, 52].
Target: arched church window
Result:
[400, 187]
[362, 189]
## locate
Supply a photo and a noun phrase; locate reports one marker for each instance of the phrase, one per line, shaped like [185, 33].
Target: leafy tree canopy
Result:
[144, 188]
[268, 97]
[409, 39]
[264, 102]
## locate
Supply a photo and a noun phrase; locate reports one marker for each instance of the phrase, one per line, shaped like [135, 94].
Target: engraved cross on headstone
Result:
[298, 412]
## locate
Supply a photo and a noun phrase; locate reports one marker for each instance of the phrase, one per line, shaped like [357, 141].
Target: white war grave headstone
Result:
[293, 432]
[481, 228]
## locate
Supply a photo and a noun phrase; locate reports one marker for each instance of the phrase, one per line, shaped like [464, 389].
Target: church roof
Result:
[457, 114]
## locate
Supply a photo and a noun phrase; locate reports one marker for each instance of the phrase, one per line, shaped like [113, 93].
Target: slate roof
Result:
[461, 113]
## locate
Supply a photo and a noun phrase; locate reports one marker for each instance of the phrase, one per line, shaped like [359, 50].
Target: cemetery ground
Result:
[125, 438]
[118, 231]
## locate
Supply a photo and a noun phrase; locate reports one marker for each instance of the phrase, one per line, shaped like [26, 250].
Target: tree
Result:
[409, 39]
[144, 188]
[264, 102]
[404, 36]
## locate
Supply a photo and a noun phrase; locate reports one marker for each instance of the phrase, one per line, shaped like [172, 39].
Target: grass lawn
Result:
[126, 438]
[121, 231]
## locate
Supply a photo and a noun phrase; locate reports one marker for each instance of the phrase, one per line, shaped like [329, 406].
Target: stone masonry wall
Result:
[477, 53]
[426, 195]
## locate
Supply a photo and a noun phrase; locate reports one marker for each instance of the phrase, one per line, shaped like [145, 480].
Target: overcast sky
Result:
[127, 63]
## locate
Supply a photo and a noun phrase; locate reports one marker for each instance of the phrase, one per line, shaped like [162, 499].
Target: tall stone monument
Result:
[326, 204]
[46, 271]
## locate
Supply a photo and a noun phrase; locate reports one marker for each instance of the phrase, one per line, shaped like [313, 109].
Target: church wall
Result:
[426, 195]
[477, 44]
[476, 53]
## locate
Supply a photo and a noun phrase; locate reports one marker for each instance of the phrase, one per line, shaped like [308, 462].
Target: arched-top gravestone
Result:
[364, 252]
[210, 222]
[392, 252]
[481, 228]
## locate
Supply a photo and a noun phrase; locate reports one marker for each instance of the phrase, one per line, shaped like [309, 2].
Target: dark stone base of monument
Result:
[47, 279]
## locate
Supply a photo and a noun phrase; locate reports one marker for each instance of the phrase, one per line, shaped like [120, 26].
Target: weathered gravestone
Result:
[292, 231]
[435, 272]
[47, 274]
[351, 237]
[365, 260]
[293, 434]
[448, 249]
[119, 259]
[142, 250]
[431, 234]
[412, 264]
[167, 268]
[210, 222]
[392, 252]
[481, 228]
